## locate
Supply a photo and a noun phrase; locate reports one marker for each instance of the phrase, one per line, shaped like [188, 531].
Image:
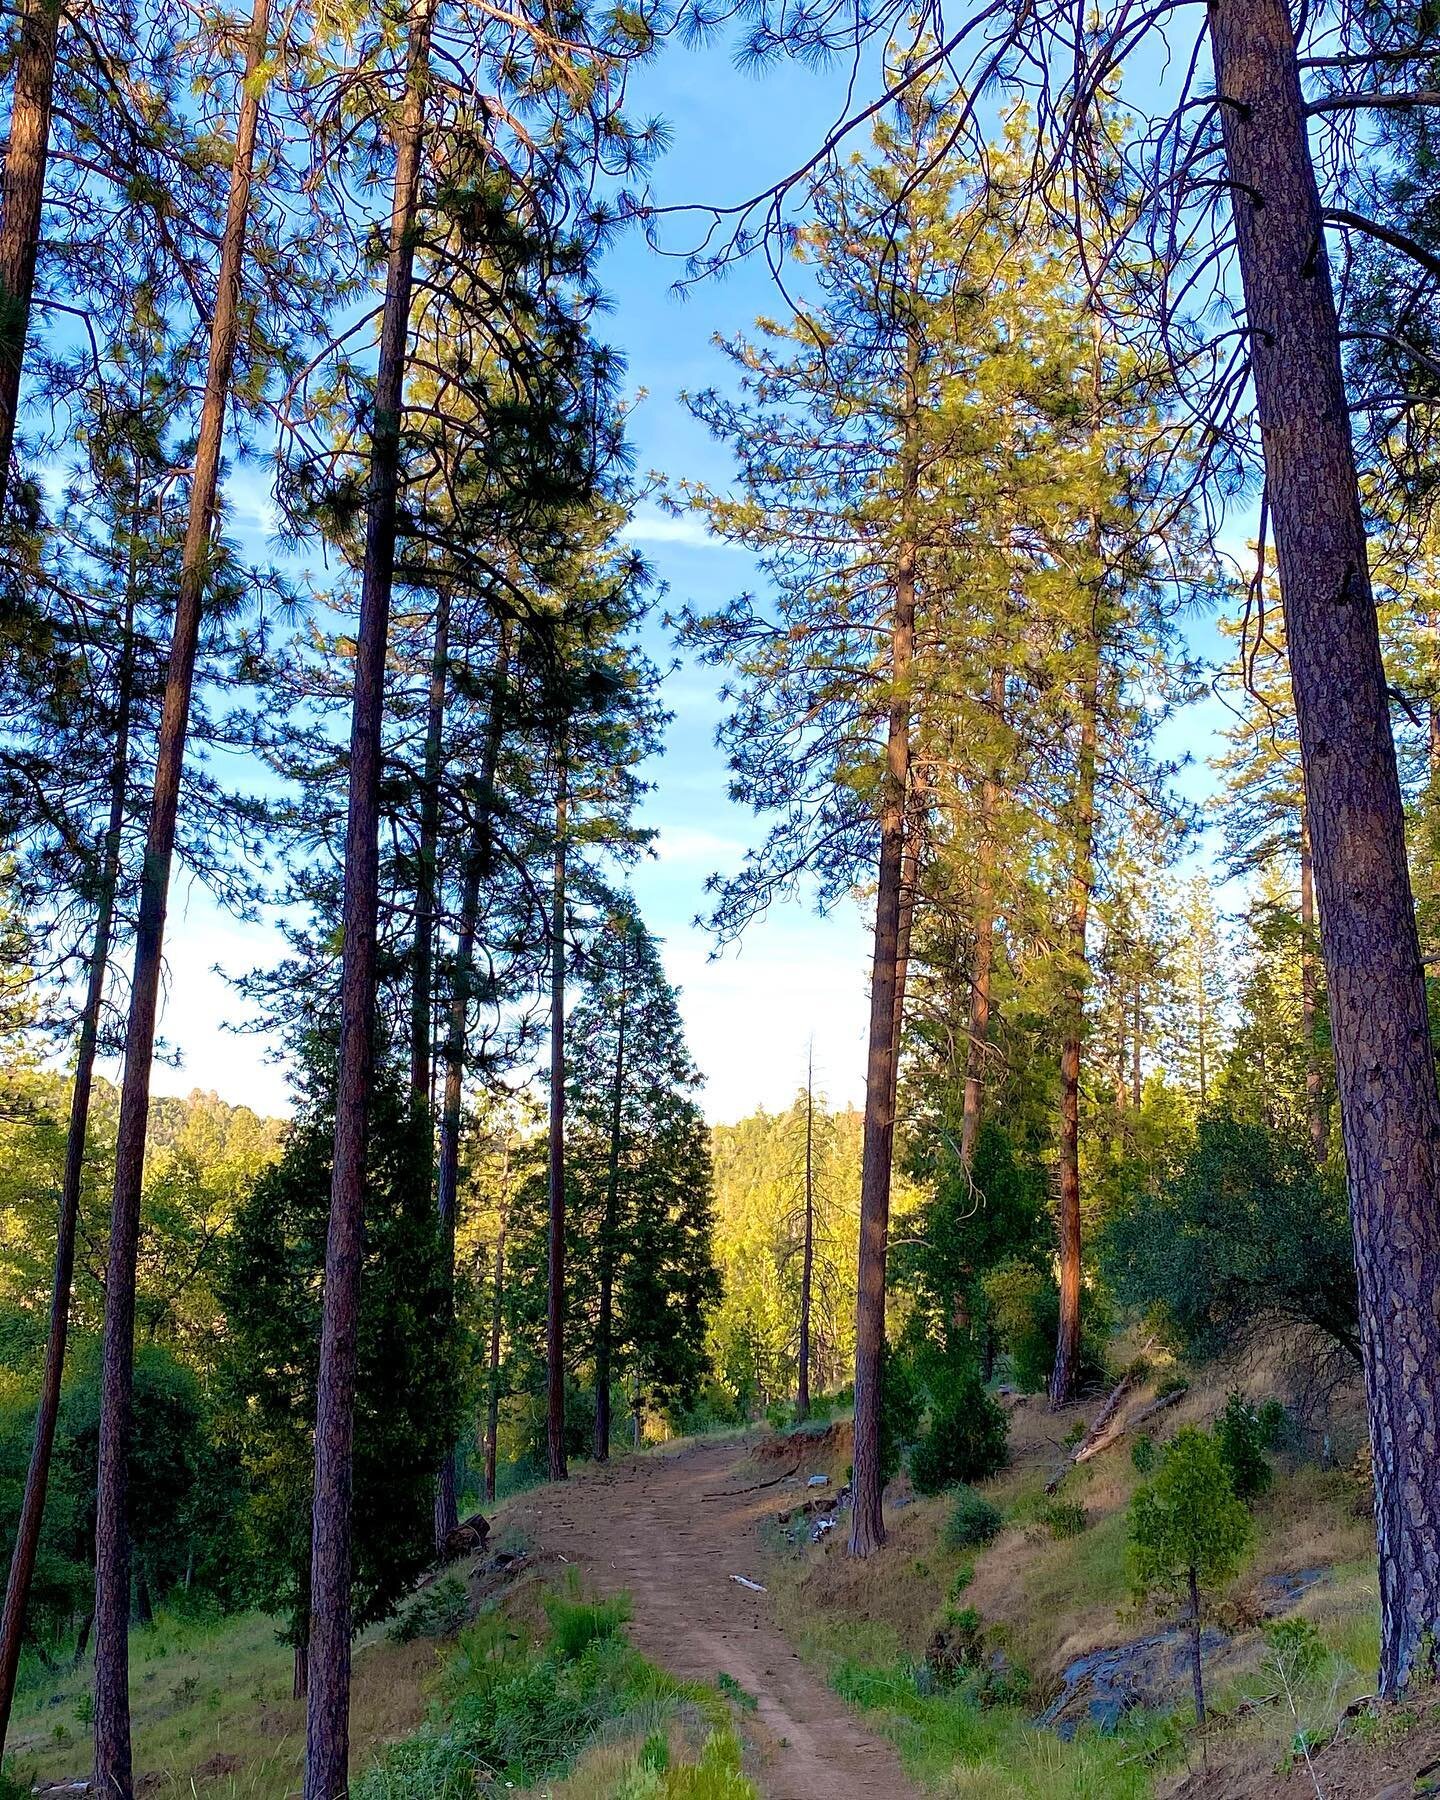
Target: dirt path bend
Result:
[649, 1524]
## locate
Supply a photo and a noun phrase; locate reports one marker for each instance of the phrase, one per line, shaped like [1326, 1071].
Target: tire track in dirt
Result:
[645, 1525]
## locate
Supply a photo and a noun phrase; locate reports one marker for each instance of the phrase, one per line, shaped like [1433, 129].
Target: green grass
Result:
[518, 1710]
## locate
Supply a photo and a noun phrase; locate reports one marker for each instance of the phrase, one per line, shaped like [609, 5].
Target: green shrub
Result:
[438, 1612]
[1144, 1454]
[972, 1521]
[903, 1403]
[1062, 1518]
[1024, 1305]
[1244, 1433]
[1173, 1383]
[965, 1439]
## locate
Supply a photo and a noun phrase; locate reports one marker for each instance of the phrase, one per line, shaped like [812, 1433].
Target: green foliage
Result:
[735, 1694]
[965, 1437]
[1294, 1649]
[438, 1611]
[902, 1406]
[1186, 1526]
[1249, 1230]
[971, 1521]
[1024, 1307]
[1244, 1433]
[1062, 1518]
[576, 1623]
[407, 1392]
[1144, 1454]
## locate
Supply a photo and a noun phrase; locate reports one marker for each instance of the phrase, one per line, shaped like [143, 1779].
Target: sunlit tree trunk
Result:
[867, 1524]
[112, 1542]
[1314, 1077]
[1389, 1107]
[37, 1478]
[327, 1710]
[978, 1030]
[497, 1316]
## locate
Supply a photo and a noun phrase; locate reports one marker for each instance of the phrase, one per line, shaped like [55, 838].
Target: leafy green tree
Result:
[409, 1361]
[1247, 1230]
[1188, 1534]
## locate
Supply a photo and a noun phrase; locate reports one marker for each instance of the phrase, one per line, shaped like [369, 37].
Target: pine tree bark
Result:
[555, 1284]
[1389, 1107]
[1082, 881]
[497, 1314]
[113, 1775]
[1197, 1673]
[22, 198]
[327, 1709]
[479, 865]
[427, 849]
[807, 1255]
[609, 1231]
[867, 1523]
[37, 1478]
[1314, 1078]
[978, 1032]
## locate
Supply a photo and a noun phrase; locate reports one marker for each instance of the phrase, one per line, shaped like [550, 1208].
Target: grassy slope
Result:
[1046, 1601]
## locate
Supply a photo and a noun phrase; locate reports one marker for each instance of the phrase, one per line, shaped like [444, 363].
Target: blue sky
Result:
[750, 1013]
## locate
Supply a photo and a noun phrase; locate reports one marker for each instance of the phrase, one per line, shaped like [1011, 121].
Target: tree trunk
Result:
[1082, 880]
[1389, 1107]
[1197, 1674]
[37, 1477]
[1137, 1080]
[978, 1032]
[1314, 1079]
[555, 1288]
[609, 1230]
[807, 1259]
[422, 982]
[300, 1663]
[867, 1523]
[327, 1711]
[22, 198]
[497, 1305]
[112, 1547]
[478, 867]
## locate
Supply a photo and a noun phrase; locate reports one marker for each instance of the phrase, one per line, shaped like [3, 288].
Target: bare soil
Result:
[672, 1529]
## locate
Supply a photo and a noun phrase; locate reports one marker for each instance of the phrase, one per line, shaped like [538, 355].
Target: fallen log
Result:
[1108, 1428]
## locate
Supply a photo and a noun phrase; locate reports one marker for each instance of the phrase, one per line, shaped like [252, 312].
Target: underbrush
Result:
[518, 1708]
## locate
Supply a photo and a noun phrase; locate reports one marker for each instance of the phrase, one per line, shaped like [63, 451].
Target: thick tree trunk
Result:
[21, 202]
[112, 1545]
[867, 1523]
[1314, 1079]
[422, 981]
[807, 1255]
[479, 864]
[1082, 880]
[609, 1231]
[327, 1710]
[555, 1287]
[1389, 1108]
[37, 1478]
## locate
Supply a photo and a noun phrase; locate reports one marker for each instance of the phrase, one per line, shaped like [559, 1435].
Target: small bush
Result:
[1244, 1433]
[1062, 1518]
[965, 1439]
[972, 1521]
[439, 1612]
[1173, 1383]
[1143, 1454]
[576, 1624]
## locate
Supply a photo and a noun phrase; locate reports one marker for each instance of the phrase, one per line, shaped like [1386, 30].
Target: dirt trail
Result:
[645, 1524]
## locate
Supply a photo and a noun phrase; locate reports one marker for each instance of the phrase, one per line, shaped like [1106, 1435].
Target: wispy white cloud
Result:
[651, 526]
